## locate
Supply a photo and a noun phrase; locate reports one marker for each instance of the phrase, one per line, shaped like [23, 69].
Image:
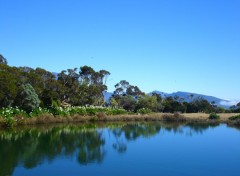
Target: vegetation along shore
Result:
[37, 96]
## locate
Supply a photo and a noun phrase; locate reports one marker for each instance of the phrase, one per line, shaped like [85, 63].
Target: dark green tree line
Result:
[30, 88]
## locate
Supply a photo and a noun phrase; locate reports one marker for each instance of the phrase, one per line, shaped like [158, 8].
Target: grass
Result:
[10, 117]
[176, 117]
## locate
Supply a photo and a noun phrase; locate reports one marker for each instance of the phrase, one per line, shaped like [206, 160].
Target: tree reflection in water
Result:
[33, 146]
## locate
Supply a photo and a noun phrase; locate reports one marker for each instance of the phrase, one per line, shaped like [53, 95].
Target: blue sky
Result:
[166, 45]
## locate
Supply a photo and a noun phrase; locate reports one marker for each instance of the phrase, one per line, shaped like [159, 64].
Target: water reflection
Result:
[30, 147]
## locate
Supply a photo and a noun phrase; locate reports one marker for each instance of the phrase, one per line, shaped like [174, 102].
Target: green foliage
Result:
[40, 111]
[220, 110]
[8, 113]
[56, 104]
[8, 87]
[27, 98]
[113, 102]
[214, 116]
[127, 102]
[149, 102]
[236, 117]
[78, 110]
[24, 87]
[144, 111]
[200, 105]
[14, 116]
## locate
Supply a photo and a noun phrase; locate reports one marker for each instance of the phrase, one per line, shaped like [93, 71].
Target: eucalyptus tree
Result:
[92, 85]
[126, 95]
[10, 79]
[8, 89]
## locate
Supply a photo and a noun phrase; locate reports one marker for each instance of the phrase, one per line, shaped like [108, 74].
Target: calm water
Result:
[121, 149]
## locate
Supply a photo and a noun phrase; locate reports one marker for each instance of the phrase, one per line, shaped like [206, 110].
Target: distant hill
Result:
[188, 97]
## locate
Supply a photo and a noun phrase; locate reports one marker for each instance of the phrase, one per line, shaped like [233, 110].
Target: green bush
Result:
[7, 113]
[236, 117]
[60, 111]
[39, 111]
[27, 98]
[214, 116]
[78, 110]
[144, 111]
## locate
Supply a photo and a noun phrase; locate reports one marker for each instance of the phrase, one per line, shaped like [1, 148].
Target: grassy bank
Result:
[10, 117]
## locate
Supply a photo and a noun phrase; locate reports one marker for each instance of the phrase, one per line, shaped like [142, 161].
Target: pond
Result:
[121, 149]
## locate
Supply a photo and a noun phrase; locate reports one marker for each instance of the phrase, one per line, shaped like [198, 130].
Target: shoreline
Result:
[45, 119]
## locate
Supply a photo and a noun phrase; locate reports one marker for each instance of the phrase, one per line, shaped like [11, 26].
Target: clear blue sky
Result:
[166, 45]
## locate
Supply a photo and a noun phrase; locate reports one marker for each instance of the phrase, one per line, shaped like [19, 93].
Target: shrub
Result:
[236, 117]
[60, 111]
[78, 110]
[7, 113]
[27, 98]
[214, 116]
[149, 102]
[39, 111]
[144, 111]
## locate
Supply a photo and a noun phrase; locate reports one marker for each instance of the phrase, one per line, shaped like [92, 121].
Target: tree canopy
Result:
[81, 86]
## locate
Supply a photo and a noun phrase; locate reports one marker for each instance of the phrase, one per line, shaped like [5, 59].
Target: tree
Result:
[86, 74]
[3, 60]
[159, 97]
[104, 76]
[149, 102]
[134, 91]
[121, 88]
[27, 98]
[8, 89]
[167, 104]
[113, 102]
[201, 105]
[128, 103]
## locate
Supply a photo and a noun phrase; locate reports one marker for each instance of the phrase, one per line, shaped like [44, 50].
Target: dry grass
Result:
[203, 116]
[102, 117]
[176, 117]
